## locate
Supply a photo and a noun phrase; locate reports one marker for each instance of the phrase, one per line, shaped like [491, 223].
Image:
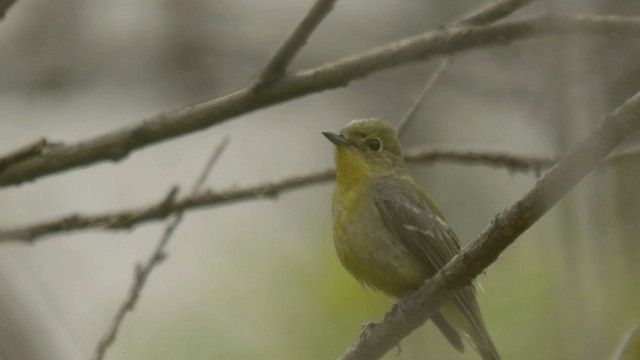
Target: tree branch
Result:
[486, 14]
[40, 147]
[410, 114]
[624, 344]
[278, 64]
[492, 11]
[129, 218]
[118, 144]
[412, 311]
[143, 271]
[4, 7]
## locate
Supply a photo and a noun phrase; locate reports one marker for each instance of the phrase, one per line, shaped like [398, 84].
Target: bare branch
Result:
[118, 144]
[623, 346]
[206, 171]
[129, 218]
[488, 13]
[38, 148]
[630, 153]
[413, 310]
[487, 157]
[142, 271]
[492, 11]
[409, 115]
[278, 64]
[4, 7]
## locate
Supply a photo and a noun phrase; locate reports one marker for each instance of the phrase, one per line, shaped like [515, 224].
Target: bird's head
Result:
[366, 148]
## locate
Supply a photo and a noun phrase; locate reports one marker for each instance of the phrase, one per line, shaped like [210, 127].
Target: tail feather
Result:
[448, 331]
[467, 319]
[485, 347]
[481, 340]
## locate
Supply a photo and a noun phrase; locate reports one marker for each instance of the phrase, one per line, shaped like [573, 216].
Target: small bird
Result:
[389, 234]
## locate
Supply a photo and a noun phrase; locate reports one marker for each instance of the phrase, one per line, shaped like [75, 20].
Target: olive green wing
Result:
[415, 221]
[412, 218]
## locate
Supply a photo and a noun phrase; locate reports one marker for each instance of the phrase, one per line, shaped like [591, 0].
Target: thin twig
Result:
[278, 64]
[629, 153]
[492, 11]
[142, 271]
[486, 14]
[413, 310]
[409, 115]
[623, 346]
[129, 218]
[449, 40]
[206, 171]
[487, 157]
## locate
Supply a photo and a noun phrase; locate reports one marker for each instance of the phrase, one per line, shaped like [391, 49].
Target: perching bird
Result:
[389, 234]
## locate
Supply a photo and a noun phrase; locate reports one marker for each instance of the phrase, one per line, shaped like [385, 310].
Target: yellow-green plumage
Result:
[394, 273]
[389, 234]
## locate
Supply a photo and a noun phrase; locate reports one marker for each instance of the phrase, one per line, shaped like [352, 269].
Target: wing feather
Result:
[414, 220]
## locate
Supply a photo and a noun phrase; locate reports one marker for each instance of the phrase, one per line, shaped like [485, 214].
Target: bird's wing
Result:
[415, 221]
[412, 219]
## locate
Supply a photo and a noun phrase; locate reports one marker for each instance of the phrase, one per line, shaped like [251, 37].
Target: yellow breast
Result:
[366, 249]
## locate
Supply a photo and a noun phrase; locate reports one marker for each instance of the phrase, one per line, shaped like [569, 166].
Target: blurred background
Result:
[259, 279]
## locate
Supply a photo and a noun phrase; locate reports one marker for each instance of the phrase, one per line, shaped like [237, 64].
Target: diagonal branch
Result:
[278, 64]
[624, 344]
[118, 144]
[410, 114]
[492, 11]
[4, 7]
[40, 147]
[411, 312]
[143, 271]
[486, 14]
[129, 218]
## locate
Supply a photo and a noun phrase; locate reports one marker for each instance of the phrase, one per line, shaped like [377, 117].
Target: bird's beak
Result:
[336, 139]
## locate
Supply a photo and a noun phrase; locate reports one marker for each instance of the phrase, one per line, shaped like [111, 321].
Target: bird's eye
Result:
[374, 145]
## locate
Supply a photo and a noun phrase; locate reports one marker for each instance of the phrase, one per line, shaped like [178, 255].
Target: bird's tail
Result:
[469, 321]
[483, 344]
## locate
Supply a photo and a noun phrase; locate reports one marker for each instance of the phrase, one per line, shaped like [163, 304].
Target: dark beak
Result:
[336, 139]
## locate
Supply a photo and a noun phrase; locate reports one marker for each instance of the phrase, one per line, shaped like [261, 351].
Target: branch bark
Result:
[410, 114]
[38, 148]
[278, 64]
[118, 144]
[411, 312]
[129, 218]
[143, 271]
[486, 14]
[492, 11]
[4, 7]
[625, 343]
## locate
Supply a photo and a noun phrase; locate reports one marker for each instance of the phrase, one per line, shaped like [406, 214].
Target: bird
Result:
[390, 235]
